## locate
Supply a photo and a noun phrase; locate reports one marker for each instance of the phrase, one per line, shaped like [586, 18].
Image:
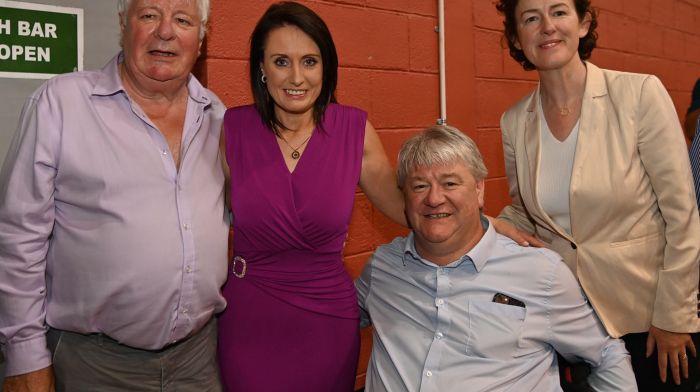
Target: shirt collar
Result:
[478, 255]
[110, 83]
[409, 249]
[481, 252]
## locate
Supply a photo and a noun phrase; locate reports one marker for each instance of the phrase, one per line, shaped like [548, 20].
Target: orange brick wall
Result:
[389, 67]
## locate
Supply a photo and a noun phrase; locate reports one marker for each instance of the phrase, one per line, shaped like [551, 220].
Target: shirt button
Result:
[184, 311]
[438, 335]
[165, 152]
[186, 226]
[188, 269]
[440, 301]
[429, 373]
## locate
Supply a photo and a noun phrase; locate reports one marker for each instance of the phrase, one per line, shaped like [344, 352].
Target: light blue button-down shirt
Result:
[437, 328]
[99, 230]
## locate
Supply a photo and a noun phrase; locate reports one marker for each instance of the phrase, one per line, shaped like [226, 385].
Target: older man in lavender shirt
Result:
[112, 227]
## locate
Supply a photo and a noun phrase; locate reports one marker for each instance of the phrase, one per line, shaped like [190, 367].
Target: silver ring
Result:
[684, 357]
[244, 267]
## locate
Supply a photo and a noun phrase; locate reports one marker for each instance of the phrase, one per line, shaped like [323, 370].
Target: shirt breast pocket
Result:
[494, 329]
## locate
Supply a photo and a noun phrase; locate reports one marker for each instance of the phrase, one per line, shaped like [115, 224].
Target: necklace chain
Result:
[295, 151]
[562, 110]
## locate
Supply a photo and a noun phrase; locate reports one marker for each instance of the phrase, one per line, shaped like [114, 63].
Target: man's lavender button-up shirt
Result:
[99, 230]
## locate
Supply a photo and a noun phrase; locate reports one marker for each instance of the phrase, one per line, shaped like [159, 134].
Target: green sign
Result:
[39, 41]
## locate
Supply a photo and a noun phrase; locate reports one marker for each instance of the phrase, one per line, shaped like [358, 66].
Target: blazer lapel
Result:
[532, 144]
[591, 122]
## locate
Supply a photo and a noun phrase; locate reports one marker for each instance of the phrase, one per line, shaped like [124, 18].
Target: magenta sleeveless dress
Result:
[291, 323]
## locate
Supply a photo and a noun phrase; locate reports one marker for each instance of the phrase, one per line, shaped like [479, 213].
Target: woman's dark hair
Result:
[510, 33]
[289, 13]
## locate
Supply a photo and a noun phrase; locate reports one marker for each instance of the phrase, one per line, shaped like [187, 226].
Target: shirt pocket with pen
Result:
[494, 329]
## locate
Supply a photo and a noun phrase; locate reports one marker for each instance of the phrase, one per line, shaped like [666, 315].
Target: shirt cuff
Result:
[27, 356]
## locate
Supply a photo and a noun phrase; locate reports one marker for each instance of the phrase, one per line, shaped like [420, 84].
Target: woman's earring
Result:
[263, 79]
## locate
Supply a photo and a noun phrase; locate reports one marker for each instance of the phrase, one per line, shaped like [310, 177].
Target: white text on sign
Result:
[29, 29]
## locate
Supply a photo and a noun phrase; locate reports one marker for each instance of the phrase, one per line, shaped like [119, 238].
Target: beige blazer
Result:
[635, 239]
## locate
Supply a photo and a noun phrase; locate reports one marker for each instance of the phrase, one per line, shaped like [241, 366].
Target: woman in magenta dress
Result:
[295, 158]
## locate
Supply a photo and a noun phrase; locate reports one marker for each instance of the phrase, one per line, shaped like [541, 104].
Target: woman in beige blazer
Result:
[598, 170]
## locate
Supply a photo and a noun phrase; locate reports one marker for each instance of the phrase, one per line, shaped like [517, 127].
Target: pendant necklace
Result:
[295, 151]
[564, 111]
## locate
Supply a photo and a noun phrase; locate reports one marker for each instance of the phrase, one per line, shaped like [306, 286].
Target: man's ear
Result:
[122, 28]
[480, 187]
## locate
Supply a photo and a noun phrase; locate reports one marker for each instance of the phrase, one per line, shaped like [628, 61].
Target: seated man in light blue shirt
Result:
[457, 307]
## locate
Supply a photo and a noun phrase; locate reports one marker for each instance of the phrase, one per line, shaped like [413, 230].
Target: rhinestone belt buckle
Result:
[244, 266]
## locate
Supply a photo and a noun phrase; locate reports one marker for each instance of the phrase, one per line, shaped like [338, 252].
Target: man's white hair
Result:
[123, 8]
[439, 145]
